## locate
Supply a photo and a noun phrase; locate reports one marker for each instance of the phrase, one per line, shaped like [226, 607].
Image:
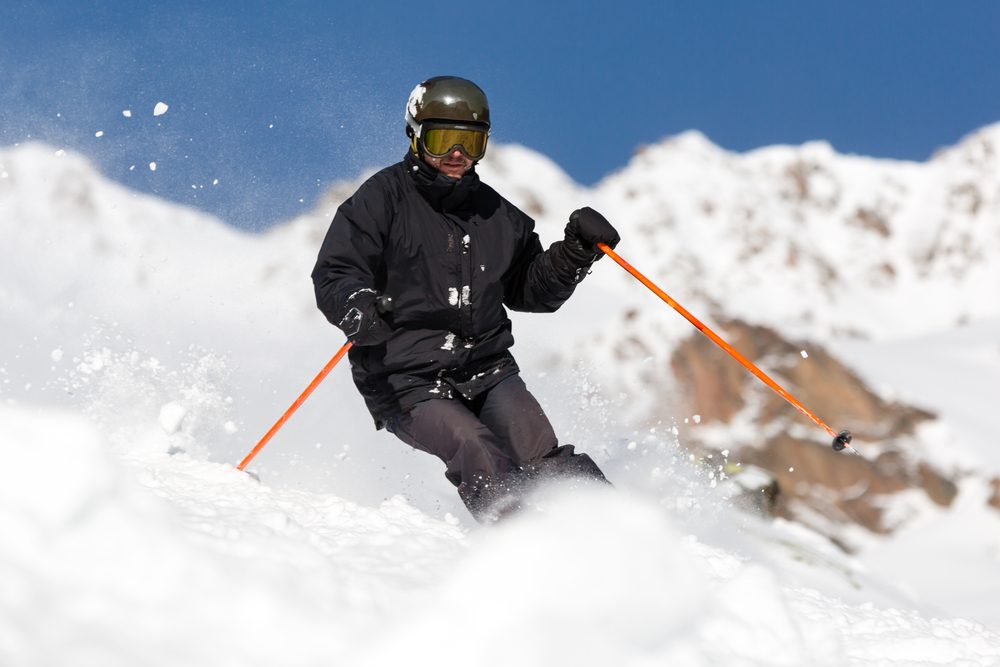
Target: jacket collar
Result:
[442, 192]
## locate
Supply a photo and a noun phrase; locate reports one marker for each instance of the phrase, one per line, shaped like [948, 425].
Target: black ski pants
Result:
[494, 446]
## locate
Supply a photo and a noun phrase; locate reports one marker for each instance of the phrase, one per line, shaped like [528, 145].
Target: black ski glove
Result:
[585, 229]
[363, 322]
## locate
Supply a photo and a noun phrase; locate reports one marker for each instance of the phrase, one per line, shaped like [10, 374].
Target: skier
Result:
[416, 269]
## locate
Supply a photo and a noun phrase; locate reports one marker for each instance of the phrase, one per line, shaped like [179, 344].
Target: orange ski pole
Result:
[295, 406]
[840, 440]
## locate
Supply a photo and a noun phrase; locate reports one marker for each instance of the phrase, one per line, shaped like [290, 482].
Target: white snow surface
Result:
[146, 348]
[118, 558]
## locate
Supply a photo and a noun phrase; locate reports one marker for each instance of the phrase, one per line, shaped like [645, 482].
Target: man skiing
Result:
[416, 269]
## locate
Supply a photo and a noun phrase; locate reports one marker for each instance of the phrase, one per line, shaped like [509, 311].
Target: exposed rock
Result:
[715, 387]
[843, 488]
[872, 220]
[810, 476]
[994, 500]
[939, 489]
[718, 384]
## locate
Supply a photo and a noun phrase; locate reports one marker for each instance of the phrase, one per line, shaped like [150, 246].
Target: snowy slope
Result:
[164, 560]
[147, 346]
[817, 243]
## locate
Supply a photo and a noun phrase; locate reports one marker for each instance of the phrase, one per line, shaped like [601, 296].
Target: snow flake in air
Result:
[152, 166]
[127, 113]
[99, 134]
[171, 416]
[160, 108]
[805, 355]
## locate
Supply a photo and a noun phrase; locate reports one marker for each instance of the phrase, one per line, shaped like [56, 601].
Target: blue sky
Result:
[278, 100]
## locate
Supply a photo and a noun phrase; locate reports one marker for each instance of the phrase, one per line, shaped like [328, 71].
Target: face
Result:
[454, 164]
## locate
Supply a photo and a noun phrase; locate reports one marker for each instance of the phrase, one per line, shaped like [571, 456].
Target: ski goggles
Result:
[439, 140]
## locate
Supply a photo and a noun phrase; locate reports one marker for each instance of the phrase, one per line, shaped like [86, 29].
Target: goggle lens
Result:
[439, 141]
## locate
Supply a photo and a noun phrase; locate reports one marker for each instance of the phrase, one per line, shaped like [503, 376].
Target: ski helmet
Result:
[447, 100]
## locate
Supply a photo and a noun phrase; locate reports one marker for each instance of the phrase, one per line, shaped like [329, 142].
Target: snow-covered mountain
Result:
[801, 239]
[815, 243]
[853, 280]
[794, 250]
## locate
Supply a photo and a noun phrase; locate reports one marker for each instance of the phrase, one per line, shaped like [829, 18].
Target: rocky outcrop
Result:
[811, 479]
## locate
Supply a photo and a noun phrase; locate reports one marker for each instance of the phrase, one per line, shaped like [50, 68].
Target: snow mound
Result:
[176, 561]
[167, 560]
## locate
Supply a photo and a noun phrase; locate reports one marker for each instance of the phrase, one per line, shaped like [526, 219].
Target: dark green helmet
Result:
[449, 99]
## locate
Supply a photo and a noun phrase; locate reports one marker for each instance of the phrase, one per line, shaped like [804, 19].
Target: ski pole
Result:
[384, 305]
[295, 406]
[841, 440]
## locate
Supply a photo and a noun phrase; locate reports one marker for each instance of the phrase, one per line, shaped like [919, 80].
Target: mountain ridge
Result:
[799, 240]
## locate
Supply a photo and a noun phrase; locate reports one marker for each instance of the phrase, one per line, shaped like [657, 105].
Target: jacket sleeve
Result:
[350, 260]
[539, 281]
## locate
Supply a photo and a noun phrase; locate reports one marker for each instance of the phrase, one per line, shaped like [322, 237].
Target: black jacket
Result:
[451, 254]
